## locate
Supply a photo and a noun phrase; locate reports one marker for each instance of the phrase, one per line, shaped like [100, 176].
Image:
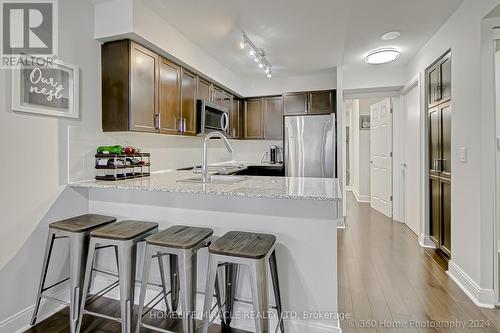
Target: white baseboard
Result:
[341, 223]
[426, 241]
[484, 298]
[20, 322]
[360, 198]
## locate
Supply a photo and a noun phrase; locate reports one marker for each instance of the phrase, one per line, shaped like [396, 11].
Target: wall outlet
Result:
[463, 155]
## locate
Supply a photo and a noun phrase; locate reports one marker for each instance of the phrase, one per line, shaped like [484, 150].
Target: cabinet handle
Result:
[179, 125]
[157, 121]
[184, 125]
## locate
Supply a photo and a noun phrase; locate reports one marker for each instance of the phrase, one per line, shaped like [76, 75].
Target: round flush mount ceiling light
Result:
[391, 35]
[382, 56]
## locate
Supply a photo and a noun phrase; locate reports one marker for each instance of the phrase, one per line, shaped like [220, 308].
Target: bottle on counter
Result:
[116, 149]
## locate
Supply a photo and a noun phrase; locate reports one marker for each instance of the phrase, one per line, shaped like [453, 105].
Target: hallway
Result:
[388, 283]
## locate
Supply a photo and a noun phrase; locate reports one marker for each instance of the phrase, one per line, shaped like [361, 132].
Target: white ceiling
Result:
[304, 36]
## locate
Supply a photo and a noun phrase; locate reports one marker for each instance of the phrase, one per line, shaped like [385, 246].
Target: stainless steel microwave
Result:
[211, 117]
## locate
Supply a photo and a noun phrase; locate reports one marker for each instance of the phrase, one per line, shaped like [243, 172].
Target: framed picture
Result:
[364, 122]
[50, 90]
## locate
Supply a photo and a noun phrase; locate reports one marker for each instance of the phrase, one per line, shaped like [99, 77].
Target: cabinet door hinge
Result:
[391, 197]
[390, 154]
[391, 110]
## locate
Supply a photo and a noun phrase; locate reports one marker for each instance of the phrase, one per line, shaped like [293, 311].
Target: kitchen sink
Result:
[216, 179]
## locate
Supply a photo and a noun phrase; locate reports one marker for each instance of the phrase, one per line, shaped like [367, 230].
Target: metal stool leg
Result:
[78, 251]
[187, 279]
[209, 289]
[86, 281]
[231, 282]
[127, 282]
[163, 282]
[45, 266]
[276, 288]
[174, 282]
[258, 283]
[148, 253]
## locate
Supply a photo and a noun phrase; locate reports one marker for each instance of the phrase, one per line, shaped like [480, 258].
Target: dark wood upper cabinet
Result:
[322, 102]
[217, 95]
[204, 89]
[235, 119]
[170, 97]
[188, 105]
[273, 118]
[130, 87]
[143, 89]
[115, 86]
[253, 117]
[439, 81]
[444, 68]
[295, 103]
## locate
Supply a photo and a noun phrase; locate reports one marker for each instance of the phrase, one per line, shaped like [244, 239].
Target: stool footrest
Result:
[154, 328]
[53, 299]
[158, 300]
[100, 315]
[55, 284]
[101, 292]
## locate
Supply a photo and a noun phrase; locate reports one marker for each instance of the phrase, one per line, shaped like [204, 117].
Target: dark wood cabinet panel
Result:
[273, 118]
[321, 102]
[170, 94]
[435, 209]
[188, 102]
[295, 103]
[446, 216]
[444, 68]
[143, 88]
[445, 110]
[432, 85]
[438, 83]
[253, 119]
[217, 95]
[235, 119]
[115, 69]
[434, 140]
[204, 89]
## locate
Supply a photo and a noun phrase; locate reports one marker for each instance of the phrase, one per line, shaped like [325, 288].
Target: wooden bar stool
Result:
[256, 251]
[181, 244]
[77, 230]
[124, 235]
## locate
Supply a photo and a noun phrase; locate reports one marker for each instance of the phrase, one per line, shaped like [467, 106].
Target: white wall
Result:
[140, 23]
[471, 185]
[277, 85]
[365, 76]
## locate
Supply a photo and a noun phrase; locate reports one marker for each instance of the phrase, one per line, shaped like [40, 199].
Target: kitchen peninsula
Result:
[301, 212]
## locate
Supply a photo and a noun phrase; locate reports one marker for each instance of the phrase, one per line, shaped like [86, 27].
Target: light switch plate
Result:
[463, 155]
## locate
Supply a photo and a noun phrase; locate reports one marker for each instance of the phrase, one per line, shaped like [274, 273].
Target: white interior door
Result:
[411, 159]
[381, 157]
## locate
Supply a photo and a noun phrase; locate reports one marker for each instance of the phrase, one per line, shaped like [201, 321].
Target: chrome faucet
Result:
[204, 167]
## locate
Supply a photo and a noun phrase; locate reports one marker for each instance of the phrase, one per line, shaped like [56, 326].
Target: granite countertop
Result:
[295, 188]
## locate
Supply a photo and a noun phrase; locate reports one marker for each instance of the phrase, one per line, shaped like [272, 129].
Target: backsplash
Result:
[168, 152]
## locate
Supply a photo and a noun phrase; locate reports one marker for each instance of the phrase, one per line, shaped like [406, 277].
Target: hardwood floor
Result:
[386, 281]
[59, 323]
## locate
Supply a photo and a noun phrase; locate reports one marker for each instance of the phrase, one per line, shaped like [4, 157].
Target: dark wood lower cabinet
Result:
[440, 213]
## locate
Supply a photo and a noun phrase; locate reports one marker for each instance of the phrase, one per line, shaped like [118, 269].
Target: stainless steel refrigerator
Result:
[309, 144]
